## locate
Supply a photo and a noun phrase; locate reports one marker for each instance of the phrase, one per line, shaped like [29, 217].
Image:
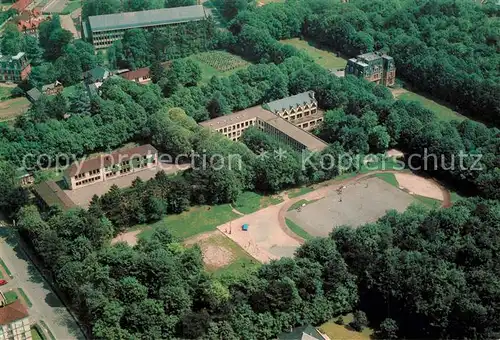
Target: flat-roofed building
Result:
[300, 110]
[375, 67]
[110, 166]
[103, 30]
[233, 125]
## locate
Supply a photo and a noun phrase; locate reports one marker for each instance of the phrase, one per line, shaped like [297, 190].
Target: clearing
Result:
[11, 108]
[324, 58]
[221, 255]
[250, 202]
[335, 331]
[442, 110]
[195, 221]
[218, 63]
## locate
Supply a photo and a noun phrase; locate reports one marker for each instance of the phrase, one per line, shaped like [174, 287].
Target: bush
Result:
[339, 321]
[388, 329]
[360, 321]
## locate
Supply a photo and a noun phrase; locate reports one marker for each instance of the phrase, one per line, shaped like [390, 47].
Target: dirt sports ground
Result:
[360, 203]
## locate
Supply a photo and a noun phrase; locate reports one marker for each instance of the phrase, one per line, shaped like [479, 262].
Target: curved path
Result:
[323, 190]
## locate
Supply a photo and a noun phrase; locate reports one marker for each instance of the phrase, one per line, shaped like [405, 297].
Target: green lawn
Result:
[298, 204]
[71, 6]
[429, 202]
[25, 297]
[195, 221]
[249, 202]
[11, 108]
[299, 192]
[68, 91]
[335, 331]
[297, 229]
[5, 268]
[10, 296]
[218, 63]
[5, 92]
[443, 112]
[36, 333]
[389, 178]
[324, 58]
[44, 325]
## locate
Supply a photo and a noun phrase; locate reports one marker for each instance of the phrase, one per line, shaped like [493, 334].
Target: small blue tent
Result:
[244, 227]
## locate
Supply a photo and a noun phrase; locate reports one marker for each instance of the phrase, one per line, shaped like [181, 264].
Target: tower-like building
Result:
[375, 67]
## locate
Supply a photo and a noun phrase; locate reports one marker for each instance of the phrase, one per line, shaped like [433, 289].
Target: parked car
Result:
[2, 282]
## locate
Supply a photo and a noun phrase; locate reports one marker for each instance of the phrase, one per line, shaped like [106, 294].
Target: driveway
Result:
[46, 305]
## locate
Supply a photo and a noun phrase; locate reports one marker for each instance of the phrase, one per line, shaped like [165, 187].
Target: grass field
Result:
[25, 297]
[47, 329]
[5, 92]
[249, 202]
[324, 58]
[443, 112]
[297, 229]
[71, 6]
[429, 202]
[10, 296]
[11, 108]
[36, 334]
[4, 266]
[218, 63]
[193, 222]
[68, 91]
[299, 204]
[335, 331]
[389, 178]
[299, 192]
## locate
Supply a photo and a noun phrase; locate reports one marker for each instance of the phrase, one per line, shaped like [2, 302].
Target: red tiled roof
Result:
[109, 159]
[12, 312]
[139, 73]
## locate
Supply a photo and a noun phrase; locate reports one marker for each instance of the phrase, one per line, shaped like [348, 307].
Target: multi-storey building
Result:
[300, 110]
[375, 67]
[14, 322]
[110, 166]
[103, 30]
[233, 125]
[14, 68]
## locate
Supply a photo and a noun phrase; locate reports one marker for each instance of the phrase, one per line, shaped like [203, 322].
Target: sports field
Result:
[218, 63]
[324, 58]
[360, 203]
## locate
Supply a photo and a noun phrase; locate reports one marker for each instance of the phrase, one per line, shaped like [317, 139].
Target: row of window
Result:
[88, 181]
[237, 126]
[298, 109]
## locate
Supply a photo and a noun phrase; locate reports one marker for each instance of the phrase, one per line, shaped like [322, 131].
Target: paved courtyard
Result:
[362, 202]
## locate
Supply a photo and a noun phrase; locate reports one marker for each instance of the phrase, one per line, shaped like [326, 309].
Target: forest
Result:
[418, 274]
[447, 48]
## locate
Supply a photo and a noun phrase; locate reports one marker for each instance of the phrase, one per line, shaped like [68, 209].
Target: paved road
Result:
[46, 305]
